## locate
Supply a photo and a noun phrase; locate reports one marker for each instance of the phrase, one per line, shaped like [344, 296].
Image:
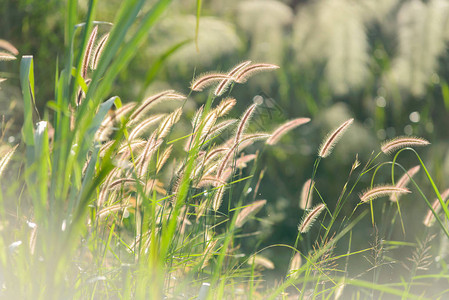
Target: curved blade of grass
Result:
[27, 84]
[443, 205]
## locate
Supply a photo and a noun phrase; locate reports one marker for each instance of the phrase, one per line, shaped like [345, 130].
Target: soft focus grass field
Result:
[202, 193]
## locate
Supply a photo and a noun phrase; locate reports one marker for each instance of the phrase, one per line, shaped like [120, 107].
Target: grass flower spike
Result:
[332, 139]
[286, 127]
[308, 220]
[390, 146]
[381, 191]
[404, 181]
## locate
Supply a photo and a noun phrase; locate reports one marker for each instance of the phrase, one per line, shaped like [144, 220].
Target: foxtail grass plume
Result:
[143, 126]
[332, 139]
[404, 181]
[308, 220]
[98, 51]
[8, 47]
[250, 70]
[149, 102]
[206, 80]
[295, 264]
[210, 181]
[244, 122]
[245, 213]
[261, 261]
[390, 146]
[6, 158]
[223, 85]
[436, 205]
[306, 195]
[111, 209]
[284, 128]
[163, 159]
[218, 198]
[225, 106]
[168, 122]
[4, 56]
[208, 252]
[88, 53]
[383, 190]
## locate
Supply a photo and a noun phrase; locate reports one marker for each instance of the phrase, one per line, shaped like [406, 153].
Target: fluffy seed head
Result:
[8, 47]
[139, 129]
[245, 213]
[6, 56]
[149, 102]
[308, 220]
[6, 158]
[206, 80]
[225, 106]
[262, 261]
[98, 51]
[223, 85]
[283, 129]
[381, 191]
[403, 141]
[436, 205]
[250, 70]
[404, 181]
[88, 53]
[244, 122]
[332, 139]
[306, 195]
[218, 198]
[295, 264]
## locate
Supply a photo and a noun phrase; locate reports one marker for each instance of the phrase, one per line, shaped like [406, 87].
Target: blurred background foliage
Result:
[383, 62]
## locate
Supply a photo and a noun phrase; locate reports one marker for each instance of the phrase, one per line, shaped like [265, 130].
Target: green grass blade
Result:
[27, 84]
[197, 25]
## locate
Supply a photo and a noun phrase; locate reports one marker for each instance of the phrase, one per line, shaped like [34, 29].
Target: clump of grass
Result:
[118, 202]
